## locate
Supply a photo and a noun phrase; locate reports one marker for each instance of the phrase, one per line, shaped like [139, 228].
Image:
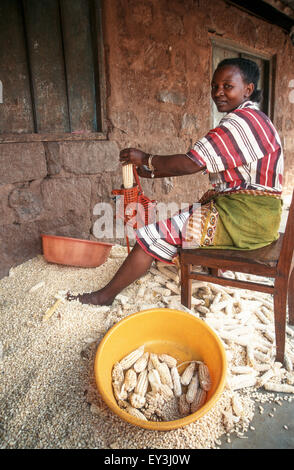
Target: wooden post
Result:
[280, 305]
[186, 285]
[291, 298]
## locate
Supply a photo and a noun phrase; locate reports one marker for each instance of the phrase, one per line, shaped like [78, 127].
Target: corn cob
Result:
[192, 388]
[161, 291]
[265, 377]
[168, 273]
[289, 331]
[141, 291]
[250, 355]
[241, 369]
[164, 373]
[242, 381]
[154, 402]
[237, 405]
[229, 308]
[228, 336]
[162, 369]
[137, 400]
[141, 363]
[175, 289]
[127, 176]
[261, 357]
[202, 309]
[122, 403]
[120, 393]
[154, 380]
[269, 335]
[290, 378]
[288, 363]
[117, 374]
[130, 381]
[188, 374]
[37, 286]
[169, 360]
[268, 312]
[264, 346]
[219, 306]
[142, 383]
[199, 400]
[176, 381]
[166, 391]
[148, 413]
[154, 360]
[284, 388]
[170, 410]
[204, 377]
[136, 413]
[131, 358]
[261, 316]
[153, 397]
[216, 300]
[184, 406]
[262, 367]
[160, 279]
[150, 365]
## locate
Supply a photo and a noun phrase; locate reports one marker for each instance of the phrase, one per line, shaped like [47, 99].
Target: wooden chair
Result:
[274, 261]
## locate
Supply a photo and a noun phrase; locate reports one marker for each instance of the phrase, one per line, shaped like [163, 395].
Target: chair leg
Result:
[280, 307]
[186, 285]
[291, 298]
[215, 272]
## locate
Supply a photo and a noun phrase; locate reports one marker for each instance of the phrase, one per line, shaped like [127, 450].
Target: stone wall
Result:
[158, 59]
[45, 187]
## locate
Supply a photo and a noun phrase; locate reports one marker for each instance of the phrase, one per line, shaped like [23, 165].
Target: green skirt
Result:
[247, 222]
[235, 221]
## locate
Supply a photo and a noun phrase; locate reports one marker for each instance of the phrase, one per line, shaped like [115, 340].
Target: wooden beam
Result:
[224, 281]
[264, 11]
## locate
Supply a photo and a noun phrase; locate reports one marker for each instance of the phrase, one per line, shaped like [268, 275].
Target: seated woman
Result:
[244, 159]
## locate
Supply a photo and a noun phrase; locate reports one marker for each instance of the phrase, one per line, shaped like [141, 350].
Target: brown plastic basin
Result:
[74, 251]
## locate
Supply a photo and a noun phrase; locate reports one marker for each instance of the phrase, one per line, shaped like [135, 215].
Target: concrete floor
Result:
[269, 431]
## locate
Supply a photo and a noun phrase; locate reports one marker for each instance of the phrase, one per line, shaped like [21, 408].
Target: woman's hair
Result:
[249, 71]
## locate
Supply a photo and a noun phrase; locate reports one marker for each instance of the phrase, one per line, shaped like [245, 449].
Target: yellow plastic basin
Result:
[161, 330]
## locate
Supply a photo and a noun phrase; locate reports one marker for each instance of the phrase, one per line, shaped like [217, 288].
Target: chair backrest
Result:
[286, 254]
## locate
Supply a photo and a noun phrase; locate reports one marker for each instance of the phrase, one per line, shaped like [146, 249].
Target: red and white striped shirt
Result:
[243, 152]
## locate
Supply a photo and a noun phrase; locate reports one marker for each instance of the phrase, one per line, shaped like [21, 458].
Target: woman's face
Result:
[228, 89]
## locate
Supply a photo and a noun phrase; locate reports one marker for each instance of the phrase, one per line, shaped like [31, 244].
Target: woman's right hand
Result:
[135, 156]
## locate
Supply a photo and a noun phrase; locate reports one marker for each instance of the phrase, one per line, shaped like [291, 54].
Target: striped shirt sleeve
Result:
[242, 137]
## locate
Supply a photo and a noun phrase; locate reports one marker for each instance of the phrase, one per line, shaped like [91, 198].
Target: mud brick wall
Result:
[158, 67]
[159, 59]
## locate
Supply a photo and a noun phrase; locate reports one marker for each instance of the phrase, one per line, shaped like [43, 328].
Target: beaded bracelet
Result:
[150, 166]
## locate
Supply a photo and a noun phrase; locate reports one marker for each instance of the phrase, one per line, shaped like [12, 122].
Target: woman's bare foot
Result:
[92, 298]
[134, 266]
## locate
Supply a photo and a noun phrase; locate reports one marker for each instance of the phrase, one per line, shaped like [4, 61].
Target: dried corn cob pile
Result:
[149, 386]
[243, 319]
[48, 394]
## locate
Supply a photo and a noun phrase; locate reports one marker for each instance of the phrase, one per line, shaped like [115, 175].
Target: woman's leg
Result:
[134, 266]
